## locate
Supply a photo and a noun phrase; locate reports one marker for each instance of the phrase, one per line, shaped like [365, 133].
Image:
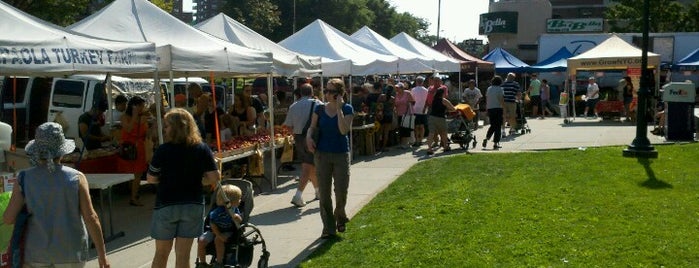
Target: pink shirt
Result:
[402, 102]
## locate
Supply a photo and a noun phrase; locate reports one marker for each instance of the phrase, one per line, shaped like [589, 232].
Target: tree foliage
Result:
[665, 16]
[60, 12]
[261, 16]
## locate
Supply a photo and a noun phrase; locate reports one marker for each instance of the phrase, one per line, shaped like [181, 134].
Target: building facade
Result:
[205, 9]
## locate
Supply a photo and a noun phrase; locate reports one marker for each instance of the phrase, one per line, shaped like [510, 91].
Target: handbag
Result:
[408, 120]
[288, 152]
[127, 151]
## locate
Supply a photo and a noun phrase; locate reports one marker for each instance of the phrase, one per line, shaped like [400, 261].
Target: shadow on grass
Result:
[317, 248]
[652, 182]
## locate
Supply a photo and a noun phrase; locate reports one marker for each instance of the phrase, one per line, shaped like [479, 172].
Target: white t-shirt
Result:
[420, 96]
[472, 96]
[592, 91]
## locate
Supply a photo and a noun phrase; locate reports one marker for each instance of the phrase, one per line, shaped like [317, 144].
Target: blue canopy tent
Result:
[558, 62]
[505, 62]
[688, 63]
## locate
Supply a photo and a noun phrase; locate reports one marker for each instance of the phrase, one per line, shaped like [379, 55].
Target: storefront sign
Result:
[574, 25]
[498, 22]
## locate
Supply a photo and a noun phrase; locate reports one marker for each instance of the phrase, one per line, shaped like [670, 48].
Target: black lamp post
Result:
[641, 147]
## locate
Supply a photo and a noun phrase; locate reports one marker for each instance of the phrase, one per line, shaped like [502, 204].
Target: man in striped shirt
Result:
[512, 93]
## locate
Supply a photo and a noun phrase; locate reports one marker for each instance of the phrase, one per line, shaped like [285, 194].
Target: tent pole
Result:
[270, 103]
[158, 112]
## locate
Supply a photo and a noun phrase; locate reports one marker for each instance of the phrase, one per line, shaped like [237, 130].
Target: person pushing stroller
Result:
[223, 225]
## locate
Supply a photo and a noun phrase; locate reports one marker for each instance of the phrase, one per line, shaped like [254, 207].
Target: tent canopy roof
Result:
[442, 63]
[286, 62]
[505, 62]
[181, 48]
[448, 48]
[558, 62]
[321, 39]
[613, 53]
[409, 62]
[31, 46]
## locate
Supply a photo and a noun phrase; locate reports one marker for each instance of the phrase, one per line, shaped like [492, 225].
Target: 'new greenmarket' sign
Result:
[574, 25]
[498, 22]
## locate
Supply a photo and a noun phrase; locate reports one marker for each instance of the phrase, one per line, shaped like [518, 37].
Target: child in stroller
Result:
[224, 221]
[239, 247]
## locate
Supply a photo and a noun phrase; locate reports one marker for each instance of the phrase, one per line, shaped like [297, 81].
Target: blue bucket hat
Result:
[49, 142]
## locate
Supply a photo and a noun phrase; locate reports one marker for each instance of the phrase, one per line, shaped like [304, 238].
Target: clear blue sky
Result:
[459, 18]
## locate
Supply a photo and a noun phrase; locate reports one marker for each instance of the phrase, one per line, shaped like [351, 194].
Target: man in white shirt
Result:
[592, 97]
[298, 119]
[419, 93]
[472, 96]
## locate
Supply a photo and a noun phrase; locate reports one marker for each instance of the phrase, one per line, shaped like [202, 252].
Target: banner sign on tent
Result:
[602, 63]
[57, 55]
[498, 22]
[574, 25]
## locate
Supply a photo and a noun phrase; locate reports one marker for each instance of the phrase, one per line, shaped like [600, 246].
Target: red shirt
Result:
[431, 91]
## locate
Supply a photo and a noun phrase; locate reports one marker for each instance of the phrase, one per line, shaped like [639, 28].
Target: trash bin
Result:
[679, 111]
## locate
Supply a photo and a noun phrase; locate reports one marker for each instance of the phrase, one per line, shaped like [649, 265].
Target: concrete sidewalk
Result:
[293, 233]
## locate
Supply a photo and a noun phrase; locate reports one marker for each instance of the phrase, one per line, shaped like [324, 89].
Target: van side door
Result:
[69, 101]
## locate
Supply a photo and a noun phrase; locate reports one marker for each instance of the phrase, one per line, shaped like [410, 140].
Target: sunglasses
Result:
[329, 91]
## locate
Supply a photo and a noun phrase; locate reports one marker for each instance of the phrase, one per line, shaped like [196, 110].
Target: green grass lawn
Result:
[591, 208]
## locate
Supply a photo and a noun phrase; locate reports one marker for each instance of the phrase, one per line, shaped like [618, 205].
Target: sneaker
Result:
[496, 146]
[298, 202]
[202, 265]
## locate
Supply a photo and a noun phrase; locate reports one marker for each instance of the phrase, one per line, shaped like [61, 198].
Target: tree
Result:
[665, 16]
[60, 12]
[262, 16]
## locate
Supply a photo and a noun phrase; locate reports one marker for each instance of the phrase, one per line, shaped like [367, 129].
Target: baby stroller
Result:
[522, 125]
[240, 246]
[461, 126]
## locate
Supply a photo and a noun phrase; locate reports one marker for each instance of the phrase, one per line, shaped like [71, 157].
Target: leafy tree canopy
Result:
[665, 16]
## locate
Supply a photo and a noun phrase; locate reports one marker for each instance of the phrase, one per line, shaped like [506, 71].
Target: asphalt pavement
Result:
[293, 233]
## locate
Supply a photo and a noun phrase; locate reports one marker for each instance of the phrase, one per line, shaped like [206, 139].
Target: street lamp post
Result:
[641, 147]
[439, 16]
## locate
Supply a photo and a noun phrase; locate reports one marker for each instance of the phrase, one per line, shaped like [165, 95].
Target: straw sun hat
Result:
[49, 142]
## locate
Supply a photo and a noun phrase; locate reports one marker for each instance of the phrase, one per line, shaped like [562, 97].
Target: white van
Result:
[45, 99]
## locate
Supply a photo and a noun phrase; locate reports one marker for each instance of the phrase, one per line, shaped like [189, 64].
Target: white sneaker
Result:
[298, 202]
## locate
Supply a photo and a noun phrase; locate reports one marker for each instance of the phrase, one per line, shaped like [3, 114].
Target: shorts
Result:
[301, 149]
[591, 103]
[420, 119]
[437, 124]
[209, 236]
[186, 221]
[535, 100]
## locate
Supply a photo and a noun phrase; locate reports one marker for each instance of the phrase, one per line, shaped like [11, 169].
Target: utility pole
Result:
[439, 16]
[293, 24]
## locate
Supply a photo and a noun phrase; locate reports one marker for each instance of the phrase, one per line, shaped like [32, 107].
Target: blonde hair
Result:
[338, 84]
[232, 192]
[183, 128]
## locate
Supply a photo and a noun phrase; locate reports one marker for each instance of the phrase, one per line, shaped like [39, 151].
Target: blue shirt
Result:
[330, 139]
[223, 219]
[510, 88]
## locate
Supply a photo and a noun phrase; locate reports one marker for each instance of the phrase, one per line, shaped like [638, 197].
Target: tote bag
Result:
[408, 120]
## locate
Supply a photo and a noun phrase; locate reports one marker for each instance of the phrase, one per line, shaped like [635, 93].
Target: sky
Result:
[459, 20]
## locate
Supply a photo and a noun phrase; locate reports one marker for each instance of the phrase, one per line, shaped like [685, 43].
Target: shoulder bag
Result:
[408, 120]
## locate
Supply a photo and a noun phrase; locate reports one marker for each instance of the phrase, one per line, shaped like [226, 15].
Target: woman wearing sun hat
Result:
[58, 200]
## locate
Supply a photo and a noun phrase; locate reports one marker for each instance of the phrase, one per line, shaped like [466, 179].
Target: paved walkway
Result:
[292, 233]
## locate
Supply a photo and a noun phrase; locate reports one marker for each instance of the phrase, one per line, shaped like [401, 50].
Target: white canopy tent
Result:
[286, 62]
[342, 56]
[30, 46]
[182, 49]
[408, 62]
[440, 62]
[612, 54]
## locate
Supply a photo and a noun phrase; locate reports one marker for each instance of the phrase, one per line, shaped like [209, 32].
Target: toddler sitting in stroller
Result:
[224, 220]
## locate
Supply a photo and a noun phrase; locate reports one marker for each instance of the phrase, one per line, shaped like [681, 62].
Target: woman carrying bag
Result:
[404, 110]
